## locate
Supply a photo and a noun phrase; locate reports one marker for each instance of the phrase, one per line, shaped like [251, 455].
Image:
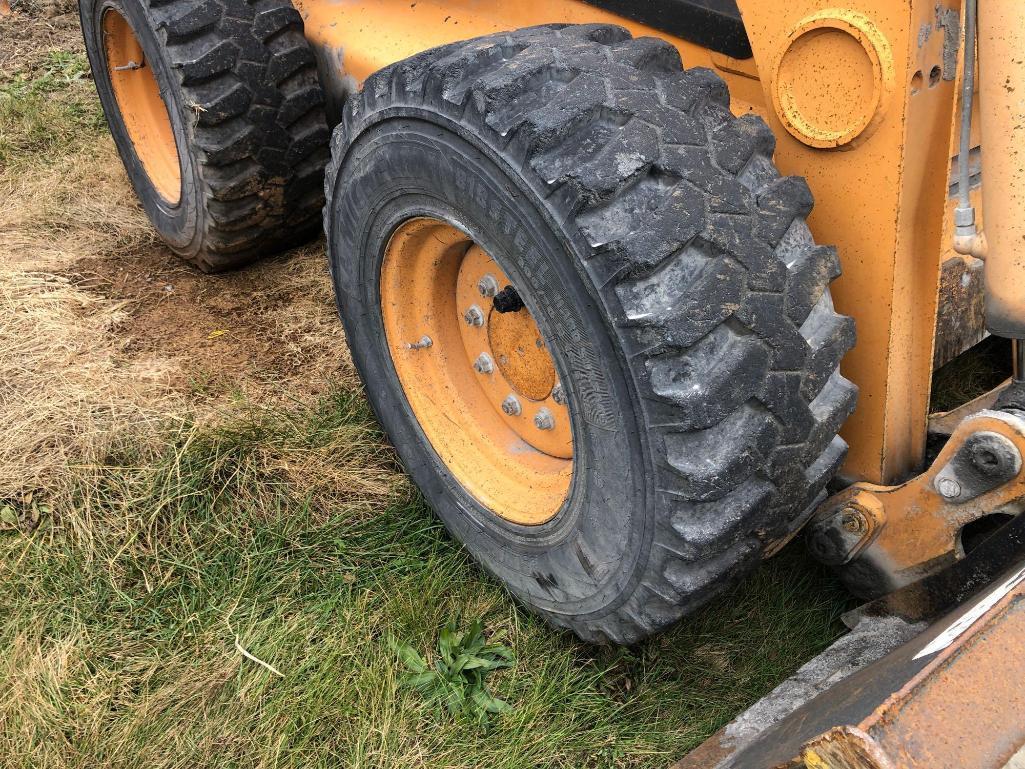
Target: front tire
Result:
[672, 278]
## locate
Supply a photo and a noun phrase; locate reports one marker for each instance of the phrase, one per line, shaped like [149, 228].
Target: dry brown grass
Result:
[64, 396]
[46, 9]
[106, 338]
[65, 393]
[90, 364]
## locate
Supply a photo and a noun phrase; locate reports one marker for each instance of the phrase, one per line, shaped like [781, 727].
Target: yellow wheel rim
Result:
[142, 109]
[481, 383]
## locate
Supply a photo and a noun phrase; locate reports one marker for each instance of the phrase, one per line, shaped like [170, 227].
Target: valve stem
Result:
[423, 344]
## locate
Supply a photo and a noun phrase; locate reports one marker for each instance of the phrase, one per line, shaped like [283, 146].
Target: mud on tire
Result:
[242, 92]
[674, 276]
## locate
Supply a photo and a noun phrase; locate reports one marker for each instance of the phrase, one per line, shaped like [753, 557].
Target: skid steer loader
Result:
[574, 249]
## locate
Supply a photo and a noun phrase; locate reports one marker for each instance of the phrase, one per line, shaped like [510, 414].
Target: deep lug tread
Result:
[694, 578]
[696, 88]
[780, 204]
[255, 115]
[275, 20]
[711, 462]
[738, 142]
[231, 104]
[704, 526]
[647, 54]
[192, 19]
[287, 63]
[217, 60]
[830, 408]
[713, 378]
[810, 273]
[699, 249]
[831, 340]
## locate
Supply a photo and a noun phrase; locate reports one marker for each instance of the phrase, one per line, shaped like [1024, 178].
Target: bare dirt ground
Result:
[269, 328]
[273, 322]
[106, 330]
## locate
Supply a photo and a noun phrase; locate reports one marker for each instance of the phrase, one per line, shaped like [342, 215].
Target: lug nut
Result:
[483, 364]
[487, 286]
[949, 488]
[853, 521]
[474, 316]
[511, 406]
[559, 395]
[544, 420]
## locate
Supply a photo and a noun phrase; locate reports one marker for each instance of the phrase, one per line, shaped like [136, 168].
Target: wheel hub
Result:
[521, 353]
[485, 390]
[142, 107]
[523, 366]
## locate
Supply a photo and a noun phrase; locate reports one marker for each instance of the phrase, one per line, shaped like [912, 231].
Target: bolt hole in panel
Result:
[917, 82]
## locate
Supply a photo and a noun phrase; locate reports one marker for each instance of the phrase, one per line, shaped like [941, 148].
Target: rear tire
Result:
[670, 270]
[241, 172]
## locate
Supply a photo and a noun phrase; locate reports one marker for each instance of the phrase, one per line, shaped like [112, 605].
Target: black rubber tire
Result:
[670, 269]
[240, 82]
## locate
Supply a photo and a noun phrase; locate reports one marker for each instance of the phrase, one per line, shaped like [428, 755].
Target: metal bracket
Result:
[881, 538]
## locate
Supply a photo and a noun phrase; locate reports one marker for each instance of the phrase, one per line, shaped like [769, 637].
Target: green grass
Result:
[119, 625]
[47, 109]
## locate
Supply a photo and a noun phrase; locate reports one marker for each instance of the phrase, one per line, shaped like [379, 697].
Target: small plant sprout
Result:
[457, 677]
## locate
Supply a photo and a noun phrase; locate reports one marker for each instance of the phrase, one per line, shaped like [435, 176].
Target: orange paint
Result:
[142, 107]
[429, 282]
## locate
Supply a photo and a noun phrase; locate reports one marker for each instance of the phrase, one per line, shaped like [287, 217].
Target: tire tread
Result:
[249, 75]
[700, 251]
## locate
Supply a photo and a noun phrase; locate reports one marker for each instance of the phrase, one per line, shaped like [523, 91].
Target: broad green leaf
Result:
[411, 658]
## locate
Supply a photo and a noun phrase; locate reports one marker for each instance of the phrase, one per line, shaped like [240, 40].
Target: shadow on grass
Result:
[124, 624]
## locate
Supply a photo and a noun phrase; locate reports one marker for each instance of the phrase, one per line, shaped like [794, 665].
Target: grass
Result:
[971, 374]
[46, 109]
[66, 395]
[123, 629]
[194, 577]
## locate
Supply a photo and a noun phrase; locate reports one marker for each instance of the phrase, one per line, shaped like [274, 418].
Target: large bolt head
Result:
[948, 488]
[993, 455]
[559, 394]
[474, 316]
[511, 406]
[853, 521]
[544, 420]
[483, 364]
[487, 286]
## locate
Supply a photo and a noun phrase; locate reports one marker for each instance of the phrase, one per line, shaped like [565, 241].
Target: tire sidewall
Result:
[412, 162]
[181, 224]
